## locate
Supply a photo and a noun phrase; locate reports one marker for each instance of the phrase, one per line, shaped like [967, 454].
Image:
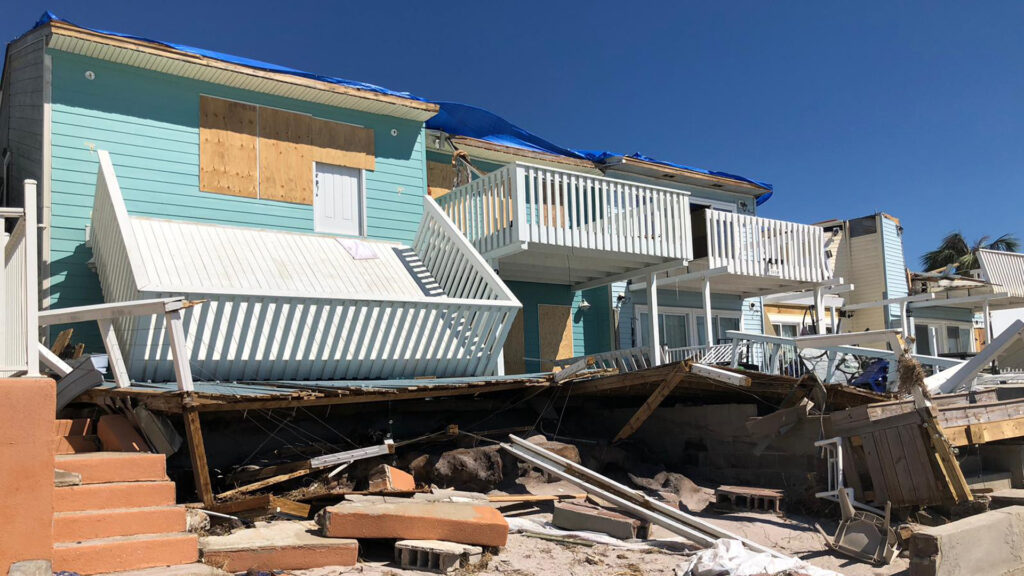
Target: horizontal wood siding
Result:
[150, 124]
[895, 267]
[21, 118]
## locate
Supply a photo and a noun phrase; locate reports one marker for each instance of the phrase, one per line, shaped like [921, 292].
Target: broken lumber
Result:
[263, 484]
[721, 375]
[652, 403]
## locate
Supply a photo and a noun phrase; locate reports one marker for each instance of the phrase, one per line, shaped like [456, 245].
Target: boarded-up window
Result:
[440, 177]
[228, 162]
[555, 334]
[268, 153]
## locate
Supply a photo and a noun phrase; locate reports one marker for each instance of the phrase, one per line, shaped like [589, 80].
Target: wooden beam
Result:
[59, 366]
[110, 310]
[652, 403]
[116, 359]
[715, 373]
[263, 483]
[197, 453]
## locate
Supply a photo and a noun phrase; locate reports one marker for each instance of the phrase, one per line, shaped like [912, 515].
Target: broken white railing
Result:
[525, 203]
[626, 360]
[716, 354]
[19, 290]
[835, 346]
[762, 247]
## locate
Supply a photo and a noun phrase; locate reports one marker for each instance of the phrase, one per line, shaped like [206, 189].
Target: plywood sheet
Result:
[515, 347]
[286, 162]
[342, 144]
[228, 158]
[555, 324]
[440, 176]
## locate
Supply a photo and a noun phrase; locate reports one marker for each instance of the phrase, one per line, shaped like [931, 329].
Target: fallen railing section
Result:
[626, 360]
[19, 288]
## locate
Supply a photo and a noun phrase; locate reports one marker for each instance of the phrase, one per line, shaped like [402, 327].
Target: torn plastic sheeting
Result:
[472, 122]
[525, 525]
[730, 558]
[48, 17]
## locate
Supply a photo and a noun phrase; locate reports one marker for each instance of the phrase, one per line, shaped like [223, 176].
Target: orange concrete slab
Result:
[282, 545]
[386, 478]
[100, 467]
[27, 451]
[93, 524]
[74, 427]
[77, 444]
[112, 495]
[118, 435]
[414, 520]
[126, 553]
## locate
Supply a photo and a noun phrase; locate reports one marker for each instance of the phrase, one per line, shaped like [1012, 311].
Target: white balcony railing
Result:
[526, 203]
[755, 246]
[19, 292]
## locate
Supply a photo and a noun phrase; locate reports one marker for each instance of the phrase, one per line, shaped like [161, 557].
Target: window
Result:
[719, 325]
[672, 328]
[267, 153]
[684, 327]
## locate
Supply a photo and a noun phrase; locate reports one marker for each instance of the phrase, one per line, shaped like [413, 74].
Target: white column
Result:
[708, 323]
[654, 336]
[819, 309]
[835, 321]
[31, 304]
[903, 319]
[988, 324]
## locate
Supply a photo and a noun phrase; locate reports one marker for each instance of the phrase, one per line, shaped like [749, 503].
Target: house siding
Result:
[149, 122]
[21, 115]
[895, 267]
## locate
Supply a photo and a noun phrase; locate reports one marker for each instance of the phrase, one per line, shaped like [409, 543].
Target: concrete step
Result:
[92, 524]
[126, 553]
[113, 495]
[194, 569]
[104, 467]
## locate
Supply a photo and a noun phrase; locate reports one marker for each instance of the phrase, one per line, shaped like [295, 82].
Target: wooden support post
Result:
[197, 453]
[735, 353]
[655, 330]
[114, 356]
[652, 403]
[182, 371]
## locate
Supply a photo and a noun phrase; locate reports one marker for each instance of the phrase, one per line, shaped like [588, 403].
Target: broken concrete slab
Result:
[385, 479]
[582, 516]
[412, 520]
[65, 478]
[31, 568]
[283, 545]
[435, 555]
[1011, 497]
[193, 569]
[993, 540]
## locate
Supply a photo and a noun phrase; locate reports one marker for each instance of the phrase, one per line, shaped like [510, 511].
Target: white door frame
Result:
[362, 199]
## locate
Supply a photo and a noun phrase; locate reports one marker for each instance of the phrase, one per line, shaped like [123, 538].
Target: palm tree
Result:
[954, 250]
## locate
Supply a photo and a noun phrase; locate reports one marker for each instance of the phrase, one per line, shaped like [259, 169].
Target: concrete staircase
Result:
[121, 516]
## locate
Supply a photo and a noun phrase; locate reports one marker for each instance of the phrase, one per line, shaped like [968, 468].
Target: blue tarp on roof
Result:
[48, 17]
[464, 120]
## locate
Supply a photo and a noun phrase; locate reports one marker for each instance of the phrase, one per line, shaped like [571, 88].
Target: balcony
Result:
[541, 224]
[751, 256]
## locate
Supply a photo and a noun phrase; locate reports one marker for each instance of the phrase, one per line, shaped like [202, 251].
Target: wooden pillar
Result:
[197, 453]
[708, 321]
[654, 334]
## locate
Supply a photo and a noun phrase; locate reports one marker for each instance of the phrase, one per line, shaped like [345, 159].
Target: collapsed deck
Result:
[292, 306]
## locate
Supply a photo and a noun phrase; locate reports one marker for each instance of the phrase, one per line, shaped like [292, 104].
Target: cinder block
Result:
[435, 555]
[581, 516]
[413, 520]
[285, 545]
[125, 553]
[386, 478]
[93, 524]
[118, 435]
[988, 543]
[101, 467]
[113, 495]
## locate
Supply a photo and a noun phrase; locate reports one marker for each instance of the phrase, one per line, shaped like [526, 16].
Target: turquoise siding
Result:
[753, 320]
[895, 267]
[150, 124]
[591, 329]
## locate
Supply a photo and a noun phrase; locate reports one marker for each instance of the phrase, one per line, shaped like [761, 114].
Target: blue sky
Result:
[912, 108]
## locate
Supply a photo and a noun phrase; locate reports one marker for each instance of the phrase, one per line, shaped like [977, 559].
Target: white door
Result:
[338, 200]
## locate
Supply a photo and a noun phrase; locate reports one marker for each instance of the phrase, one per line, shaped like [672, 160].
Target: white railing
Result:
[626, 360]
[19, 290]
[527, 203]
[711, 355]
[761, 247]
[250, 334]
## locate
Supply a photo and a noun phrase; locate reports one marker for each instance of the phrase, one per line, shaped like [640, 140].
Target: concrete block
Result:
[65, 478]
[26, 469]
[989, 543]
[103, 467]
[386, 478]
[284, 545]
[112, 495]
[92, 524]
[435, 555]
[412, 520]
[31, 568]
[118, 435]
[581, 516]
[125, 553]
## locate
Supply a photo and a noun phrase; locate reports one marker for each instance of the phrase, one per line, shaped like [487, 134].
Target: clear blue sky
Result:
[912, 108]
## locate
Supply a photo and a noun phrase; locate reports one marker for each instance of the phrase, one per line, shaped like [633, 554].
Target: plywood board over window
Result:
[515, 347]
[555, 334]
[228, 160]
[343, 144]
[286, 160]
[440, 177]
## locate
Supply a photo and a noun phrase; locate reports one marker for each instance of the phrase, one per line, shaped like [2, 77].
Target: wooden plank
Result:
[228, 158]
[248, 476]
[983, 432]
[289, 507]
[440, 177]
[264, 483]
[555, 325]
[878, 483]
[535, 497]
[890, 475]
[285, 160]
[721, 375]
[922, 468]
[342, 144]
[61, 341]
[652, 403]
[197, 453]
[905, 472]
[515, 346]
